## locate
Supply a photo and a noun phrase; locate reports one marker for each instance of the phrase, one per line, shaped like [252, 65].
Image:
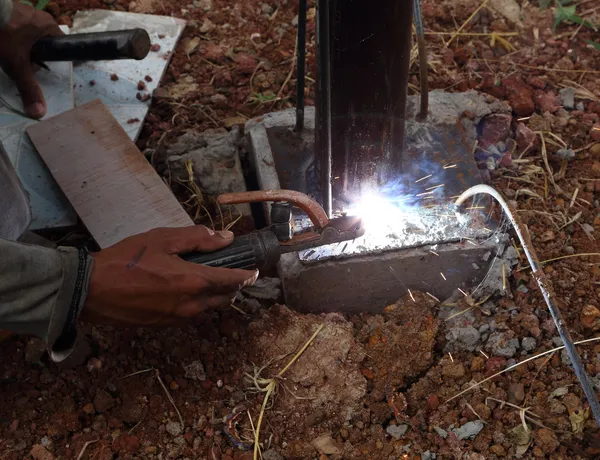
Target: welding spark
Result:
[450, 166]
[486, 356]
[435, 186]
[423, 178]
[503, 278]
[411, 296]
[424, 193]
[434, 253]
[463, 292]
[433, 297]
[451, 358]
[476, 207]
[445, 279]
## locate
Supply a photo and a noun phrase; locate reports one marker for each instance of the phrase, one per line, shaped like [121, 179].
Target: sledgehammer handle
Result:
[97, 46]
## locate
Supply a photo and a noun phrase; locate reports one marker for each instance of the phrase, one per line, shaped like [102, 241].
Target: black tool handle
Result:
[96, 46]
[255, 250]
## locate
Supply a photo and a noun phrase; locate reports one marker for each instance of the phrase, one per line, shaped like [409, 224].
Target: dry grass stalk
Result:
[269, 387]
[509, 368]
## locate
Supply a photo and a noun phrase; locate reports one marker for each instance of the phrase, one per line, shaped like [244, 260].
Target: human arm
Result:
[140, 281]
[20, 27]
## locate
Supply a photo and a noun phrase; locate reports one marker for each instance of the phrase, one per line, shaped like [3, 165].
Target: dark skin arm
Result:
[143, 281]
[27, 25]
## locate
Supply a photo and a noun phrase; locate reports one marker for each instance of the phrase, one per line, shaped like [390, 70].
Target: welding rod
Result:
[97, 46]
[540, 278]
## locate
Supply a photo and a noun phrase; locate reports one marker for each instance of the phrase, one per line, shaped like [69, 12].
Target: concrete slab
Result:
[371, 282]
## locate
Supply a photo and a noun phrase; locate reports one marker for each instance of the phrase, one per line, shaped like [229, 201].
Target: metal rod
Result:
[323, 115]
[313, 210]
[301, 66]
[540, 278]
[418, 19]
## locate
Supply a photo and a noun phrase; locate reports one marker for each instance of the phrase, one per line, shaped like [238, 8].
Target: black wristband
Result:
[69, 332]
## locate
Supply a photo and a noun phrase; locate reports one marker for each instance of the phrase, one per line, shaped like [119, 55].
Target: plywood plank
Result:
[112, 187]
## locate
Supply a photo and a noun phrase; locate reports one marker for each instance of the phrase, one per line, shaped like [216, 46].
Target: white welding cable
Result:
[540, 277]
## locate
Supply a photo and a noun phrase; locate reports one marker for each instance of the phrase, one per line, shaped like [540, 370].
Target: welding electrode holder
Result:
[96, 46]
[256, 250]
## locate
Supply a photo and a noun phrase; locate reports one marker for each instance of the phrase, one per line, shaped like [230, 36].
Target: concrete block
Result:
[371, 282]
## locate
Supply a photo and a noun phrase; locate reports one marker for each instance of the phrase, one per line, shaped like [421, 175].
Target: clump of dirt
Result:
[325, 381]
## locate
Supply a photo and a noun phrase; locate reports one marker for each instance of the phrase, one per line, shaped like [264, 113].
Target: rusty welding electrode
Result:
[313, 210]
[540, 278]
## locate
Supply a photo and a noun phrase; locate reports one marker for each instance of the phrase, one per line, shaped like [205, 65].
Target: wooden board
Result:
[112, 187]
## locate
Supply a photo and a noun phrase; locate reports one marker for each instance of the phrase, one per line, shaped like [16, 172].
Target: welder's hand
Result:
[142, 281]
[27, 25]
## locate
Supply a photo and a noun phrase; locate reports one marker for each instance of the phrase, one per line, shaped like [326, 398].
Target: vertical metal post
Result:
[323, 157]
[301, 64]
[363, 60]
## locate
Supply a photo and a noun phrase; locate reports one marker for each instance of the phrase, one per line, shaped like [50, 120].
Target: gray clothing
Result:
[37, 287]
[6, 7]
[42, 290]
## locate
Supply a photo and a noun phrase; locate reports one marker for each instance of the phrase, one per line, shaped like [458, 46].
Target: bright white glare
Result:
[384, 218]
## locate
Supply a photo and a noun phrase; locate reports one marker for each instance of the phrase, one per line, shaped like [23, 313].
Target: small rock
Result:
[34, 350]
[326, 445]
[93, 364]
[546, 440]
[500, 344]
[548, 235]
[440, 431]
[469, 430]
[205, 5]
[219, 100]
[454, 370]
[114, 77]
[272, 454]
[245, 63]
[565, 154]
[89, 408]
[537, 82]
[516, 393]
[498, 450]
[427, 455]
[463, 338]
[588, 228]
[433, 402]
[595, 132]
[546, 101]
[477, 364]
[190, 45]
[126, 444]
[494, 128]
[590, 318]
[173, 428]
[213, 52]
[39, 452]
[155, 48]
[525, 137]
[148, 78]
[396, 431]
[567, 96]
[595, 150]
[207, 26]
[528, 343]
[520, 95]
[195, 371]
[266, 9]
[103, 401]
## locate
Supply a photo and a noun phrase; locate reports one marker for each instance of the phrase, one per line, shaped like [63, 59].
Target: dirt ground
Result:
[369, 386]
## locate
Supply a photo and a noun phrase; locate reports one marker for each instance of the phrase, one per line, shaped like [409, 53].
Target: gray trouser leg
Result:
[15, 213]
